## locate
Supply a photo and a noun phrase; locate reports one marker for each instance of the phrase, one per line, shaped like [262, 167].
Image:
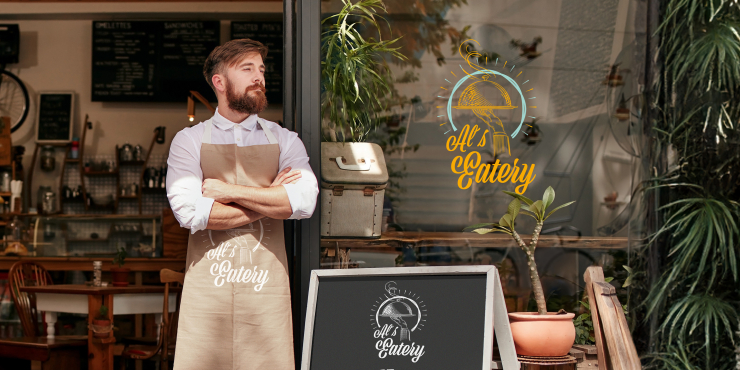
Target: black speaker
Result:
[9, 43]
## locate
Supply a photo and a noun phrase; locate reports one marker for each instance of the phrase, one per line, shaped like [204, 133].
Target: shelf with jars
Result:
[45, 155]
[104, 181]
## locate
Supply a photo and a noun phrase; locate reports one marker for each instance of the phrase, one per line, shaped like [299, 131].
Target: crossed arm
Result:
[237, 205]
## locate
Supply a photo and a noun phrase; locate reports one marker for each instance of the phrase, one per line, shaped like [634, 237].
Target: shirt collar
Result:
[224, 124]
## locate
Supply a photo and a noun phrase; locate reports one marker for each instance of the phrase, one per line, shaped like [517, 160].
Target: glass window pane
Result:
[548, 94]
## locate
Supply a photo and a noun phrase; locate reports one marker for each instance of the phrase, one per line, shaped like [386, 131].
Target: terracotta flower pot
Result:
[542, 335]
[99, 322]
[120, 276]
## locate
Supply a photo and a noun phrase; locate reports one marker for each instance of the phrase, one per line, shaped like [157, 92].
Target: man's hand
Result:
[217, 190]
[286, 176]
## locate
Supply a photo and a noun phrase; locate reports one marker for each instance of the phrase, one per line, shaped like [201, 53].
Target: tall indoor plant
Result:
[543, 333]
[690, 260]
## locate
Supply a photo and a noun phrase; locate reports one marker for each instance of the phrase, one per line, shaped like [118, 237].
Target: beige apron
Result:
[235, 311]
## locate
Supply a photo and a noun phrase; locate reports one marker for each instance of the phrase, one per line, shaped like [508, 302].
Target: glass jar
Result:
[49, 232]
[48, 162]
[133, 189]
[49, 204]
[40, 197]
[5, 182]
[138, 153]
[126, 153]
[14, 230]
[97, 272]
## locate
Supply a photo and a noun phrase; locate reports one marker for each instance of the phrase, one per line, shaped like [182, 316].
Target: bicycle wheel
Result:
[14, 101]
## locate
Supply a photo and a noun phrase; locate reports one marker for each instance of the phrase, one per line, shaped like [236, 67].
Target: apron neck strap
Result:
[270, 136]
[207, 132]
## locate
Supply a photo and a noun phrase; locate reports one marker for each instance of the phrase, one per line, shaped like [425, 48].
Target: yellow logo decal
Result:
[484, 94]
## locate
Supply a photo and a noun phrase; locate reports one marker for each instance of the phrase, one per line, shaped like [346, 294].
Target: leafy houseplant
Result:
[353, 90]
[506, 225]
[528, 329]
[102, 323]
[120, 273]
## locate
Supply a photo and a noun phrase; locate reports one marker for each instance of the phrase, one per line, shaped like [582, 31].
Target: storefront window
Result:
[577, 67]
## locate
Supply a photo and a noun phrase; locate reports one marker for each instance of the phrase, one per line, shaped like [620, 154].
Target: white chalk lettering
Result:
[386, 347]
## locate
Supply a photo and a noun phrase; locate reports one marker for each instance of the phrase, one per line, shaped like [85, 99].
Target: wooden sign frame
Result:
[71, 116]
[495, 310]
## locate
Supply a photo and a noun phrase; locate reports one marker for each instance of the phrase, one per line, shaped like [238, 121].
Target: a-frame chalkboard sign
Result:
[406, 318]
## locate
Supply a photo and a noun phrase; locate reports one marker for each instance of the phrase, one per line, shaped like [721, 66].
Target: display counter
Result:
[63, 235]
[71, 242]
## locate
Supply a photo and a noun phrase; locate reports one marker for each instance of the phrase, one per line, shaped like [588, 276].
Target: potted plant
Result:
[538, 333]
[120, 274]
[101, 325]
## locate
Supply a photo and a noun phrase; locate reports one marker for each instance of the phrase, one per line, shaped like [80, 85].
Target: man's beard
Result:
[245, 103]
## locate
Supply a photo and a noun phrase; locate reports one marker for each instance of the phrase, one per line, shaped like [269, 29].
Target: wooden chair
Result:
[165, 348]
[35, 350]
[24, 274]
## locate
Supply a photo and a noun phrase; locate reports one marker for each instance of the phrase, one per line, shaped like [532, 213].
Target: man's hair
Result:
[229, 54]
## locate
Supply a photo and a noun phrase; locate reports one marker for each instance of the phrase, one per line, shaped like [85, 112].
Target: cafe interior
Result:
[93, 92]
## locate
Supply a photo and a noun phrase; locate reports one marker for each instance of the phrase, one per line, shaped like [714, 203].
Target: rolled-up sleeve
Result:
[184, 180]
[303, 194]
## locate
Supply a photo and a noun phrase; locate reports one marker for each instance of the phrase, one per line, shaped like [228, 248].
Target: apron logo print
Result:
[398, 315]
[224, 272]
[238, 236]
[245, 252]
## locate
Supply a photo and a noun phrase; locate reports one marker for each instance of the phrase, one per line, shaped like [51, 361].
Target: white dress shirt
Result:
[185, 177]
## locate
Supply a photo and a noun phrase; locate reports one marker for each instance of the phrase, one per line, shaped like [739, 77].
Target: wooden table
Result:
[82, 299]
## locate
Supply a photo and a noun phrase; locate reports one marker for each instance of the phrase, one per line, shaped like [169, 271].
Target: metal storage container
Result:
[353, 179]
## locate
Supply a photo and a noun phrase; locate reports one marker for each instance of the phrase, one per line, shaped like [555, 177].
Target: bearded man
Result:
[231, 180]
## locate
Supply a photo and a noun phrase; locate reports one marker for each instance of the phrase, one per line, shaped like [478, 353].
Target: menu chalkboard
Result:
[141, 61]
[406, 318]
[54, 118]
[271, 35]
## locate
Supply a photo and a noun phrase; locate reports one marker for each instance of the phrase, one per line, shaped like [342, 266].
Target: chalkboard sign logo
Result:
[396, 315]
